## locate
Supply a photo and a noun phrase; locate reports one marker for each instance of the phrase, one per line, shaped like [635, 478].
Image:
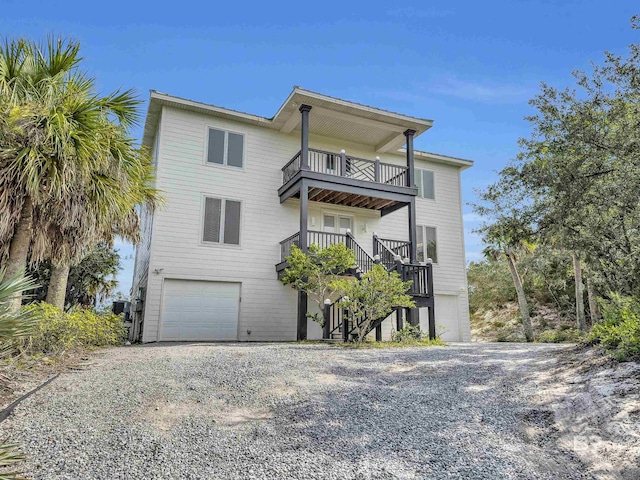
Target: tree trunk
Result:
[19, 248]
[57, 290]
[522, 299]
[594, 310]
[577, 268]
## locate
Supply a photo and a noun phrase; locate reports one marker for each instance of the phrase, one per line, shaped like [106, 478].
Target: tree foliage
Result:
[573, 189]
[315, 271]
[70, 172]
[372, 297]
[94, 278]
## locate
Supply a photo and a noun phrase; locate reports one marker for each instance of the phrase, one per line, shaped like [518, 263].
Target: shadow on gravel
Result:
[452, 411]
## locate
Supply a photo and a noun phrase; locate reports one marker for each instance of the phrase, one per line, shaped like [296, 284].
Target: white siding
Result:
[268, 309]
[143, 248]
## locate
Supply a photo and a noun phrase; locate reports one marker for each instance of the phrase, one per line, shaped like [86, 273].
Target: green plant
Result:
[408, 333]
[315, 271]
[14, 325]
[372, 297]
[57, 332]
[619, 332]
[561, 335]
[9, 456]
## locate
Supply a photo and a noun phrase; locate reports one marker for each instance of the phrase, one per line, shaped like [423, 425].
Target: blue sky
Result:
[471, 66]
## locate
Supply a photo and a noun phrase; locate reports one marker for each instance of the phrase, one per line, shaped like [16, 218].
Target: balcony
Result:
[342, 179]
[343, 165]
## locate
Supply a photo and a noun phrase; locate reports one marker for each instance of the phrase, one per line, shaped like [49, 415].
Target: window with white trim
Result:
[221, 221]
[427, 243]
[425, 184]
[225, 148]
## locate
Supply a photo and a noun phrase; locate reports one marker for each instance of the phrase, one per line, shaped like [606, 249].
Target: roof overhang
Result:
[330, 117]
[334, 118]
[461, 163]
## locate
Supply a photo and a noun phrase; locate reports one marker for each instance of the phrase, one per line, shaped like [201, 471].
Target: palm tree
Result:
[58, 139]
[105, 207]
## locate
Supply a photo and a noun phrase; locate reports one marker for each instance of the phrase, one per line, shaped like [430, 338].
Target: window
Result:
[425, 184]
[225, 148]
[221, 221]
[427, 244]
[336, 224]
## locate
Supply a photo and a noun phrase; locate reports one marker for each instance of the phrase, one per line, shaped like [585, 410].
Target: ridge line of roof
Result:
[296, 89]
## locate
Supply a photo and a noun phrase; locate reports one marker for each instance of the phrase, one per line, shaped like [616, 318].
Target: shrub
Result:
[561, 335]
[619, 331]
[408, 333]
[57, 331]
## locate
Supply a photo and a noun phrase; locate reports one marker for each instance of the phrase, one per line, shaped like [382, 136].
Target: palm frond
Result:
[14, 325]
[9, 456]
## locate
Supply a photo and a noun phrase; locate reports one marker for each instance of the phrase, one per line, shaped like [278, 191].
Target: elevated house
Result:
[241, 189]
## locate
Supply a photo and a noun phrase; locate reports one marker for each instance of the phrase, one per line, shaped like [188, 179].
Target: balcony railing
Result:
[323, 239]
[343, 165]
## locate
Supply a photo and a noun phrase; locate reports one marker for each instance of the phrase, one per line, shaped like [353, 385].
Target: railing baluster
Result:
[342, 165]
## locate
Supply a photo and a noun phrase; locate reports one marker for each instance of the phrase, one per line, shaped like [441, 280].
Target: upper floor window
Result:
[425, 184]
[427, 244]
[221, 221]
[225, 148]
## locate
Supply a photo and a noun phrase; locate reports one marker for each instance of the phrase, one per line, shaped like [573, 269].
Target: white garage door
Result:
[198, 310]
[447, 321]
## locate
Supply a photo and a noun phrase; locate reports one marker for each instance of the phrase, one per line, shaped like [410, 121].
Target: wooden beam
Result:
[325, 194]
[363, 201]
[313, 193]
[380, 204]
[341, 196]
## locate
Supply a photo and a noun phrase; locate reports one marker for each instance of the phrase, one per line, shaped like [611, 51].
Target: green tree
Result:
[69, 171]
[315, 271]
[490, 285]
[508, 234]
[372, 297]
[581, 164]
[94, 278]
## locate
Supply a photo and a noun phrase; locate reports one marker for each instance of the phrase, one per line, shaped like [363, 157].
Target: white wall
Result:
[268, 308]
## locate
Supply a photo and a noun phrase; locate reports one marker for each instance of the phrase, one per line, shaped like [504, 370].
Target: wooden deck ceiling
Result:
[347, 199]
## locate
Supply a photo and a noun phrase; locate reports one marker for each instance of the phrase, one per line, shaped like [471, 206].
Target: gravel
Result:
[268, 411]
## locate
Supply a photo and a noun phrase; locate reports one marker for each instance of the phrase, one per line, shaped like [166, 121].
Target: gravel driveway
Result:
[207, 411]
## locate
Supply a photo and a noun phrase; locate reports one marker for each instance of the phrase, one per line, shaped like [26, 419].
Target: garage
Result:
[447, 320]
[199, 310]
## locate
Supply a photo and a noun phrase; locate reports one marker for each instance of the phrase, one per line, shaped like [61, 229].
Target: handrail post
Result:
[375, 244]
[399, 266]
[326, 328]
[304, 137]
[343, 163]
[410, 157]
[376, 170]
[345, 325]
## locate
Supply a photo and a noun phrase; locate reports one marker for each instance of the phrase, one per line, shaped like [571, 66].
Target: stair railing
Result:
[384, 253]
[364, 261]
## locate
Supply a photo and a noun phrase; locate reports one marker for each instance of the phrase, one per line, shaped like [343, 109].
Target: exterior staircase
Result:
[393, 256]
